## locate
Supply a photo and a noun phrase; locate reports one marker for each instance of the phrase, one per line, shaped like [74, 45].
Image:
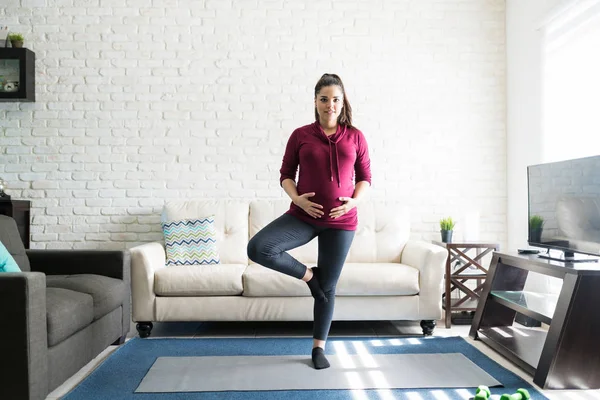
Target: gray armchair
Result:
[64, 309]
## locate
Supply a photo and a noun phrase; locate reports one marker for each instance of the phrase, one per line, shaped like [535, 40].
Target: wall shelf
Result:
[17, 74]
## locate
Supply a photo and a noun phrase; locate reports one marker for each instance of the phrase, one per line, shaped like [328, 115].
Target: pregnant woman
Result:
[332, 155]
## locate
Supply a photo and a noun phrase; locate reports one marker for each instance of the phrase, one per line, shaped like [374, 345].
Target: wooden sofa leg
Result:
[144, 329]
[119, 341]
[427, 326]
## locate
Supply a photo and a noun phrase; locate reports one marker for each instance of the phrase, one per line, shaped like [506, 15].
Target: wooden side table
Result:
[455, 281]
[19, 210]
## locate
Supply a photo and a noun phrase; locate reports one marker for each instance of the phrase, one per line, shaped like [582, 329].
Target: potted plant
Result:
[536, 225]
[446, 227]
[16, 39]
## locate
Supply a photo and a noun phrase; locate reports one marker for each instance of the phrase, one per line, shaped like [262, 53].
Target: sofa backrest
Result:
[231, 223]
[383, 230]
[383, 227]
[10, 238]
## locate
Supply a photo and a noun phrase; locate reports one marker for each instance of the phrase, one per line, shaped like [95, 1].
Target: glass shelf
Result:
[539, 306]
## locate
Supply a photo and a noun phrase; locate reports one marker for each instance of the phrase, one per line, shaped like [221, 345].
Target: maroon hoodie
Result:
[328, 167]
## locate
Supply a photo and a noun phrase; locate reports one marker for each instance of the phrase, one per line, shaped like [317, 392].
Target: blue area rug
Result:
[120, 374]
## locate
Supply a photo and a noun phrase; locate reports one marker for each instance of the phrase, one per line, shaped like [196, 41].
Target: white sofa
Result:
[387, 276]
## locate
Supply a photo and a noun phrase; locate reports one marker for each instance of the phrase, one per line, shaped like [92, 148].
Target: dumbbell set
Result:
[522, 394]
[484, 393]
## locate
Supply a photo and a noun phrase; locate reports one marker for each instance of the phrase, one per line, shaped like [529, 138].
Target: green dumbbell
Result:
[482, 393]
[522, 394]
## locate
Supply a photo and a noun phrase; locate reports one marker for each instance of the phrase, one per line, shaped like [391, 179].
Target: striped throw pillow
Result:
[191, 241]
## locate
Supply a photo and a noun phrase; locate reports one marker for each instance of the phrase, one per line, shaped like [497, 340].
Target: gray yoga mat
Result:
[370, 371]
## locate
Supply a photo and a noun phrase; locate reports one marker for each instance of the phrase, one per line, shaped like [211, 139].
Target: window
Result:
[571, 82]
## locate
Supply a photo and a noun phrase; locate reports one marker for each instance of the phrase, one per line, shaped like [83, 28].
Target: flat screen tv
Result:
[564, 208]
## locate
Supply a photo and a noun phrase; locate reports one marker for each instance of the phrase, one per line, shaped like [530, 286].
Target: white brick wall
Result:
[163, 99]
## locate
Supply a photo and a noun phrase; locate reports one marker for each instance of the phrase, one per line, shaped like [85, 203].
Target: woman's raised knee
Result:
[257, 250]
[252, 250]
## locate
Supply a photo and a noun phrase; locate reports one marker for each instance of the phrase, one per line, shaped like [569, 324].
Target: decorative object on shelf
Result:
[16, 39]
[11, 86]
[446, 227]
[3, 195]
[536, 225]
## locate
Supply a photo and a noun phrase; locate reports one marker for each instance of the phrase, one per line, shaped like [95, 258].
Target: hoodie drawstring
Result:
[329, 142]
[337, 164]
[330, 162]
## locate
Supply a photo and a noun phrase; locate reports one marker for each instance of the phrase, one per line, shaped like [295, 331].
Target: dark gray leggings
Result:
[269, 248]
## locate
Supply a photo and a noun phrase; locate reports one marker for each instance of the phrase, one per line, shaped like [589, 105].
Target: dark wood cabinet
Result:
[19, 210]
[567, 354]
[17, 74]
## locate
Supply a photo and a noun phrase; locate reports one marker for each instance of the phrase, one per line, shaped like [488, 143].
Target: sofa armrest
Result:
[430, 260]
[110, 263]
[146, 259]
[24, 336]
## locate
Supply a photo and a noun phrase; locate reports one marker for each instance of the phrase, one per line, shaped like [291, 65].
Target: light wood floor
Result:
[304, 329]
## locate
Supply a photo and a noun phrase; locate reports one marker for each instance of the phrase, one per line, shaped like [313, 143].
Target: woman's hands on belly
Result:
[348, 204]
[313, 209]
[321, 204]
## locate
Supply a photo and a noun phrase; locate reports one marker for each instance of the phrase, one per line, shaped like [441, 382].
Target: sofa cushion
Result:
[231, 223]
[67, 312]
[209, 280]
[357, 279]
[107, 293]
[378, 279]
[191, 241]
[7, 262]
[260, 281]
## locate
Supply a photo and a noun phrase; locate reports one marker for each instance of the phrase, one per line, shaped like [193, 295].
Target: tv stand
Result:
[565, 355]
[570, 257]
